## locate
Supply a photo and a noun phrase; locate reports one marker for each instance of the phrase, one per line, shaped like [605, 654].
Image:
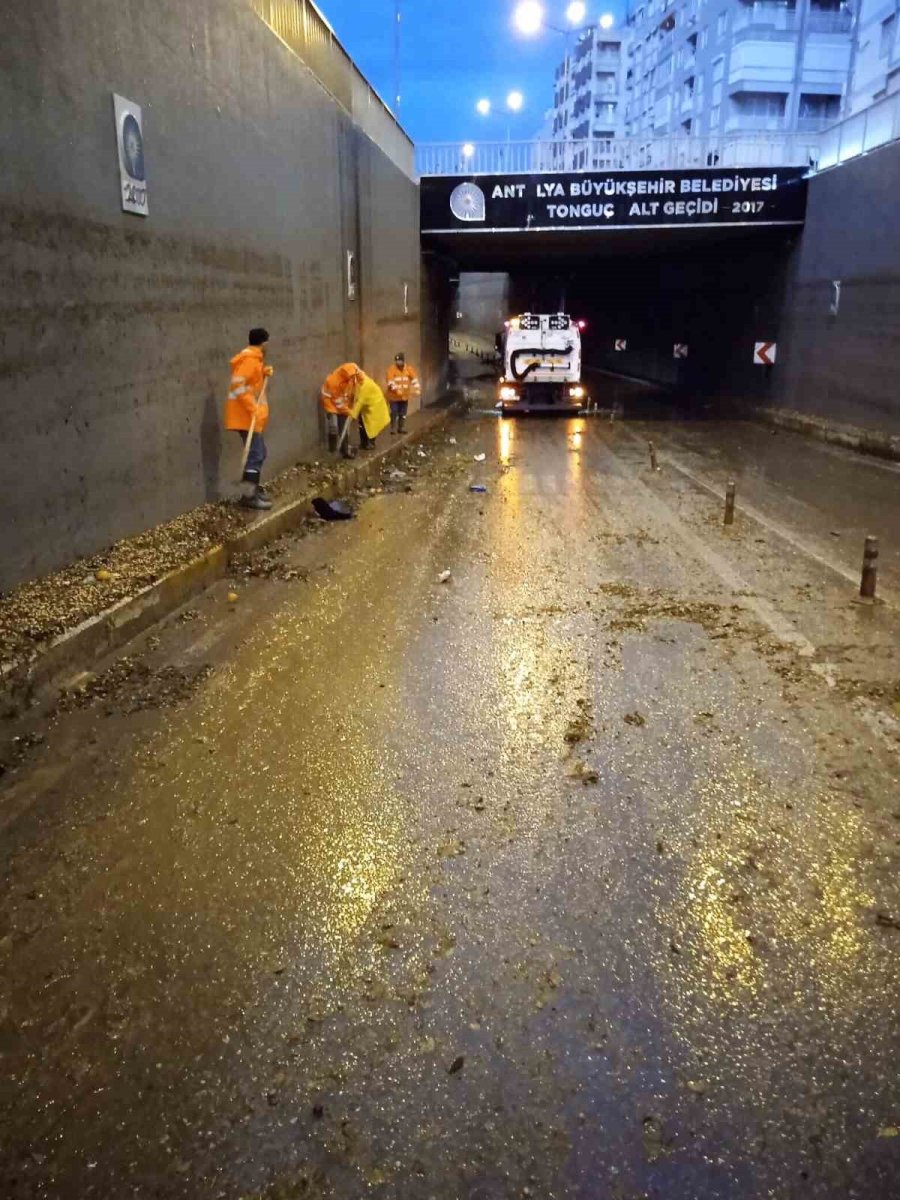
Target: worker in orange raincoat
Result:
[246, 401]
[402, 384]
[338, 394]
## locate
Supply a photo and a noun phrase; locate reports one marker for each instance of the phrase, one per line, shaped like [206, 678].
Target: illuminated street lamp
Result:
[529, 17]
[467, 150]
[515, 102]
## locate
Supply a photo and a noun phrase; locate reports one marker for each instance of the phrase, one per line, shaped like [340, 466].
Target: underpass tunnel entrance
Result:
[680, 310]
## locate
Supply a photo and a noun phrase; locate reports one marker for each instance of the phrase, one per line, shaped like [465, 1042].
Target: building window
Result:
[721, 24]
[819, 108]
[760, 104]
[715, 117]
[888, 33]
[718, 70]
[717, 93]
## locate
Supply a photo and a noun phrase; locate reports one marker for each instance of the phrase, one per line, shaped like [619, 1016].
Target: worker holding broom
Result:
[337, 399]
[370, 410]
[247, 413]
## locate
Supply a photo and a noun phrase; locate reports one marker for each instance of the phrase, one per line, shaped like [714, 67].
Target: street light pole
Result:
[397, 16]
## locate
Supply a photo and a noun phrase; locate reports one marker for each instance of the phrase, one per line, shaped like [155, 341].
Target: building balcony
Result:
[774, 22]
[748, 123]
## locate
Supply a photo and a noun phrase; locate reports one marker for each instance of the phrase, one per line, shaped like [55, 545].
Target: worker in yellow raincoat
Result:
[370, 409]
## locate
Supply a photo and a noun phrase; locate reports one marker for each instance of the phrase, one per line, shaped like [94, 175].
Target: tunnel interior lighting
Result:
[528, 17]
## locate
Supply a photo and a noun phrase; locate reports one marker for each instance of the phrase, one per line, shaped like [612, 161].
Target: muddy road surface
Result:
[540, 841]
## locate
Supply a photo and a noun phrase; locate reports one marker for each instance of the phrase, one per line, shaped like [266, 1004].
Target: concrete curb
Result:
[78, 649]
[863, 441]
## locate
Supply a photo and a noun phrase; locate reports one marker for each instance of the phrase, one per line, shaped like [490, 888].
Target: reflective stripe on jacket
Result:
[402, 382]
[247, 377]
[337, 390]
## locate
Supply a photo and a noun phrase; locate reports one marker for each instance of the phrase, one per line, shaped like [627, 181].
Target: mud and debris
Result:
[130, 685]
[319, 895]
[35, 613]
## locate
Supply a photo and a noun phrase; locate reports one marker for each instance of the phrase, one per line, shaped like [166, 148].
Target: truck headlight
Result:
[577, 393]
[508, 393]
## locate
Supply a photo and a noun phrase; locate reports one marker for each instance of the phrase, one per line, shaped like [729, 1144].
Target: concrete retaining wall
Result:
[842, 367]
[116, 330]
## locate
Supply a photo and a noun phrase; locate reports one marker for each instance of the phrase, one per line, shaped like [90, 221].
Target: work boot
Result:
[332, 442]
[257, 501]
[402, 425]
[394, 428]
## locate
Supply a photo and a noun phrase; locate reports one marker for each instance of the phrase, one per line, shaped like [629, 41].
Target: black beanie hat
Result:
[258, 336]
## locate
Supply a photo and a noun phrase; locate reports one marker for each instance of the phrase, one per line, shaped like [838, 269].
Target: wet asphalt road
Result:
[573, 876]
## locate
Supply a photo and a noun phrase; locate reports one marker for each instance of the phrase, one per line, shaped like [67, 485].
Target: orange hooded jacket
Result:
[402, 382]
[248, 372]
[338, 389]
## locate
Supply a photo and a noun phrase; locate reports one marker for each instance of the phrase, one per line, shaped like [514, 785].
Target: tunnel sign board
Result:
[130, 148]
[679, 350]
[616, 200]
[621, 344]
[764, 354]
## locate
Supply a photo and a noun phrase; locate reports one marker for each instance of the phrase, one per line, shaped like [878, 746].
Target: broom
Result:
[250, 432]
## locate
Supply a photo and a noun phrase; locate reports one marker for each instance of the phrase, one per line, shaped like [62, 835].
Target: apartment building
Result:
[733, 66]
[589, 89]
[875, 68]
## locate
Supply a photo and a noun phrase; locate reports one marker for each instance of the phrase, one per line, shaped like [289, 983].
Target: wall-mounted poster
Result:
[130, 142]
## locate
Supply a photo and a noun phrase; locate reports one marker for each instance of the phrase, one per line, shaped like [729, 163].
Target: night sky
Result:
[452, 54]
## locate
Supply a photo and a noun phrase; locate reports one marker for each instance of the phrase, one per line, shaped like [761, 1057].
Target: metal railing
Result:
[618, 154]
[816, 146]
[867, 130]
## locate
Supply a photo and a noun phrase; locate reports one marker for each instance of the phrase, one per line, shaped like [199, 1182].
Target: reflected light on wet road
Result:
[505, 439]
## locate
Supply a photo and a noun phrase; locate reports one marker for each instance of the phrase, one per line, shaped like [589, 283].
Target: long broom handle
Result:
[344, 432]
[260, 398]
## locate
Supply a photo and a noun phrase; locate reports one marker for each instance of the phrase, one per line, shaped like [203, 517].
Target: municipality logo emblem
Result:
[467, 202]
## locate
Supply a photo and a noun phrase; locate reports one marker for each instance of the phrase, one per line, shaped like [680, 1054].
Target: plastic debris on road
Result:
[480, 457]
[477, 487]
[332, 510]
[444, 577]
